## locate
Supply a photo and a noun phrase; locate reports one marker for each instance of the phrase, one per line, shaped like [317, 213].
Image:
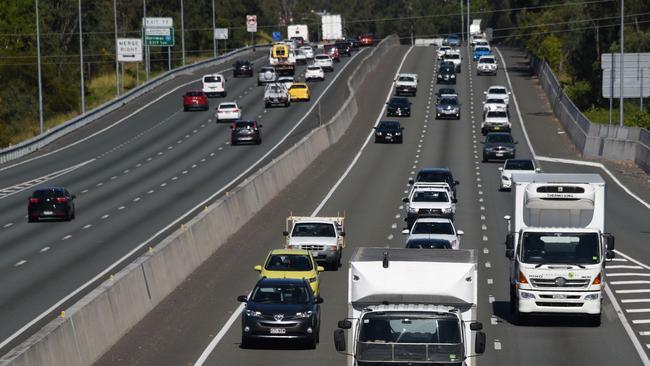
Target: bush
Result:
[580, 93]
[639, 119]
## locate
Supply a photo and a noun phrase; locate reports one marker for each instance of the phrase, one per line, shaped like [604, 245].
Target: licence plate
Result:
[48, 213]
[499, 154]
[497, 128]
[278, 331]
[559, 296]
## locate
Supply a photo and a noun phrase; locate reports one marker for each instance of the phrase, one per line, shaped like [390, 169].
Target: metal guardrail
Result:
[37, 142]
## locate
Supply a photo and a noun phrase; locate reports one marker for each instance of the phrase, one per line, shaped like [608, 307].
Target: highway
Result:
[200, 317]
[135, 172]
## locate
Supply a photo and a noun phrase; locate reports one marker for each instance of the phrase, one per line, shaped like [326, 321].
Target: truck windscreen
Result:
[416, 337]
[314, 229]
[565, 248]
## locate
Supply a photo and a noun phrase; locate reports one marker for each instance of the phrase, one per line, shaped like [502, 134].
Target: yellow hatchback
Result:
[299, 91]
[291, 263]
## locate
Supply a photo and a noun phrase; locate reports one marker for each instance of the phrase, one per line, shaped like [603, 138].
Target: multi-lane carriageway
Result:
[135, 172]
[199, 321]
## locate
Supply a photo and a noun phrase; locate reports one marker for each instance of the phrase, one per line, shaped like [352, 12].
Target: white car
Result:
[486, 65]
[286, 80]
[497, 92]
[307, 51]
[441, 51]
[429, 200]
[481, 42]
[515, 166]
[494, 104]
[301, 59]
[433, 229]
[324, 61]
[314, 72]
[453, 56]
[406, 84]
[214, 85]
[228, 111]
[496, 121]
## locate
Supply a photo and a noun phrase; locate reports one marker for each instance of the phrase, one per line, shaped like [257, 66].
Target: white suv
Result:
[496, 121]
[486, 65]
[429, 200]
[515, 166]
[228, 111]
[324, 61]
[214, 85]
[434, 229]
[314, 72]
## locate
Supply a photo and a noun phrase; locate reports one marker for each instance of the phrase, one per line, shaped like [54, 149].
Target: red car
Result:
[195, 99]
[367, 39]
[333, 51]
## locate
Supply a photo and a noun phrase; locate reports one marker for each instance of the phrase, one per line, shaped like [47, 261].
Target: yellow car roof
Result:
[289, 251]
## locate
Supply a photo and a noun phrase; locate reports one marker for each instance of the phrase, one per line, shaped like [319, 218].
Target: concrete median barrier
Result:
[91, 326]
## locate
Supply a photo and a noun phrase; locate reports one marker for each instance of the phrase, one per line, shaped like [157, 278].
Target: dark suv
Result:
[433, 175]
[281, 308]
[242, 67]
[447, 75]
[246, 131]
[344, 48]
[54, 203]
[398, 107]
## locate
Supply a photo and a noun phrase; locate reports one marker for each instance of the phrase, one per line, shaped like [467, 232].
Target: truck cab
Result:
[557, 245]
[282, 59]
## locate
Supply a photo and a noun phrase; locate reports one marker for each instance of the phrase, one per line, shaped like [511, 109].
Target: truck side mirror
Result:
[344, 324]
[510, 254]
[480, 343]
[610, 243]
[610, 254]
[411, 181]
[510, 242]
[342, 233]
[476, 326]
[285, 233]
[339, 340]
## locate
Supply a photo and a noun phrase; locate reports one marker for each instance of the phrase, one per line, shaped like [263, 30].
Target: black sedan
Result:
[51, 203]
[389, 131]
[246, 132]
[281, 308]
[242, 67]
[398, 107]
[446, 75]
[448, 107]
[499, 146]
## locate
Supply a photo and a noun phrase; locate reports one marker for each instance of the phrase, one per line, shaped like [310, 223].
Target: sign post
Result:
[251, 27]
[158, 32]
[219, 33]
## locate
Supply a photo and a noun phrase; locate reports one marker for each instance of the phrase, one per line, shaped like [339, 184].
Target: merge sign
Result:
[251, 23]
[129, 50]
[161, 37]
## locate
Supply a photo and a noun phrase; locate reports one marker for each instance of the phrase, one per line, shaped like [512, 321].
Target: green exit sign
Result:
[159, 37]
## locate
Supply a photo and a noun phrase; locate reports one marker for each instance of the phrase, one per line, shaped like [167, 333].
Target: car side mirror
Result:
[339, 340]
[285, 233]
[510, 242]
[320, 268]
[342, 233]
[258, 268]
[454, 200]
[405, 231]
[411, 181]
[509, 93]
[485, 93]
[538, 170]
[476, 326]
[480, 343]
[319, 300]
[242, 298]
[516, 142]
[73, 196]
[456, 182]
[405, 200]
[500, 168]
[260, 126]
[610, 254]
[344, 324]
[482, 142]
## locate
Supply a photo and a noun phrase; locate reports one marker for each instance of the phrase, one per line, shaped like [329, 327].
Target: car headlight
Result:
[453, 76]
[398, 133]
[526, 295]
[446, 210]
[378, 133]
[439, 75]
[592, 297]
[304, 314]
[253, 313]
[412, 210]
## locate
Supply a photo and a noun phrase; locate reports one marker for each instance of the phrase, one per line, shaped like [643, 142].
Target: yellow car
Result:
[291, 263]
[299, 91]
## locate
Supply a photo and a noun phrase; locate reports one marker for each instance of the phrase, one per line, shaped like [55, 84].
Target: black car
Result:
[447, 63]
[434, 175]
[422, 243]
[354, 43]
[51, 203]
[246, 131]
[398, 107]
[344, 48]
[445, 92]
[242, 67]
[389, 131]
[281, 308]
[448, 107]
[446, 75]
[498, 145]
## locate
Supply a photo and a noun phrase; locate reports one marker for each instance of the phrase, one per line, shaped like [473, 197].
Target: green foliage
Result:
[639, 119]
[551, 50]
[580, 93]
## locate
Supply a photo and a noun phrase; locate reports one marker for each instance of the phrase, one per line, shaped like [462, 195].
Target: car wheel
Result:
[233, 142]
[74, 214]
[259, 83]
[400, 140]
[245, 342]
[311, 342]
[31, 218]
[258, 141]
[185, 109]
[224, 94]
[266, 105]
[485, 159]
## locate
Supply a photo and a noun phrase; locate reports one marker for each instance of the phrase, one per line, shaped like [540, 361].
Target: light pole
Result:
[81, 63]
[214, 26]
[146, 48]
[40, 82]
[182, 35]
[462, 23]
[117, 64]
[622, 64]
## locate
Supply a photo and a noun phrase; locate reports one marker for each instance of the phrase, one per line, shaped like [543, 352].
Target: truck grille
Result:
[552, 282]
[429, 211]
[560, 304]
[312, 247]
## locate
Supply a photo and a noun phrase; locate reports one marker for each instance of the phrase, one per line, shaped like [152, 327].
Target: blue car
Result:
[481, 51]
[452, 40]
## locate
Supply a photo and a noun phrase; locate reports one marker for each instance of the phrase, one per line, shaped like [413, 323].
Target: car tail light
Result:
[61, 200]
[235, 110]
[34, 200]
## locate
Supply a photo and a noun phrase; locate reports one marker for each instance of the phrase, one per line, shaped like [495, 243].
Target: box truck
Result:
[332, 27]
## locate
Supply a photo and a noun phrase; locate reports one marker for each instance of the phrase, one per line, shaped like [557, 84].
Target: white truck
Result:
[475, 27]
[298, 30]
[406, 84]
[411, 307]
[283, 59]
[324, 237]
[332, 27]
[557, 245]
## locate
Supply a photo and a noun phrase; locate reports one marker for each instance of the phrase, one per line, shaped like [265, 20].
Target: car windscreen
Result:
[313, 229]
[212, 79]
[498, 91]
[519, 165]
[428, 244]
[313, 68]
[432, 177]
[45, 193]
[487, 61]
[388, 125]
[298, 86]
[322, 57]
[447, 70]
[281, 294]
[406, 78]
[227, 106]
[193, 94]
[574, 248]
[481, 49]
[430, 196]
[497, 114]
[494, 101]
[452, 57]
[399, 101]
[444, 228]
[288, 262]
[449, 101]
[275, 89]
[505, 138]
[267, 69]
[244, 124]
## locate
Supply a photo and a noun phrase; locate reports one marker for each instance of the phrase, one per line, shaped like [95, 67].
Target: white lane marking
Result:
[136, 199]
[120, 208]
[497, 345]
[44, 249]
[491, 299]
[393, 226]
[628, 274]
[490, 281]
[641, 321]
[20, 263]
[86, 226]
[632, 301]
[494, 320]
[390, 237]
[629, 282]
[483, 227]
[485, 238]
[8, 225]
[105, 216]
[644, 334]
[623, 266]
[638, 310]
[639, 291]
[486, 251]
[84, 191]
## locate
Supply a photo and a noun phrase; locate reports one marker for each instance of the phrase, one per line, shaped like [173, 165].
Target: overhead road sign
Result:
[129, 50]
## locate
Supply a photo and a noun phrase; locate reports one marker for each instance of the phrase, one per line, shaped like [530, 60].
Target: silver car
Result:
[266, 75]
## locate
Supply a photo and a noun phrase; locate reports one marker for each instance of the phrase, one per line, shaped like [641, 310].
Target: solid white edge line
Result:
[621, 316]
[226, 327]
[175, 222]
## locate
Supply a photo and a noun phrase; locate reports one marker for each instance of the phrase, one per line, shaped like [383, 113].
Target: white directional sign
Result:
[636, 75]
[158, 22]
[129, 50]
[221, 33]
[251, 23]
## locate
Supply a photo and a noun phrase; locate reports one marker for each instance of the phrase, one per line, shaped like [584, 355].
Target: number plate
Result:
[48, 213]
[499, 154]
[278, 331]
[559, 296]
[497, 128]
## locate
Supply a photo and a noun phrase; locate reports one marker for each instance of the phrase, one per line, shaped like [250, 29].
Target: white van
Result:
[214, 85]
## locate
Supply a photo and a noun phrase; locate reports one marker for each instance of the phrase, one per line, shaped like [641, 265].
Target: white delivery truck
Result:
[411, 307]
[332, 27]
[557, 244]
[298, 30]
[475, 27]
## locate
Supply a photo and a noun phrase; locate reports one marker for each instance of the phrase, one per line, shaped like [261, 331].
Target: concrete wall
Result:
[594, 140]
[91, 326]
